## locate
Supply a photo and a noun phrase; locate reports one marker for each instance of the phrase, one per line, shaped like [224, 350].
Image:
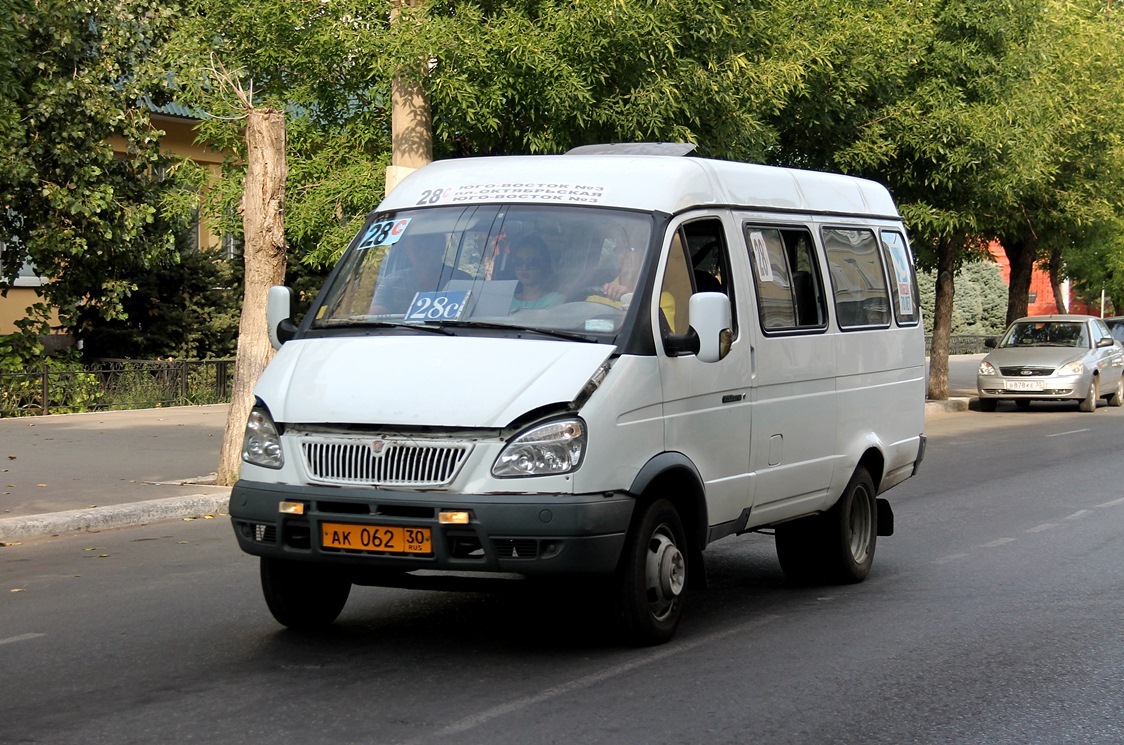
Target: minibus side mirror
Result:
[279, 315]
[991, 342]
[711, 319]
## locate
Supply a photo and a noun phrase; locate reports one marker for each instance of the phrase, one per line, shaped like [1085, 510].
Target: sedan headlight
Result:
[548, 449]
[986, 368]
[1071, 368]
[261, 445]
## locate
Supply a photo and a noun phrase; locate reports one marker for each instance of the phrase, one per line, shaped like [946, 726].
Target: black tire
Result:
[302, 596]
[1117, 397]
[837, 546]
[1089, 403]
[852, 530]
[988, 404]
[652, 575]
[1022, 404]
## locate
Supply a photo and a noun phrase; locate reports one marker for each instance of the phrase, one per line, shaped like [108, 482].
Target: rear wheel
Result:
[302, 596]
[853, 530]
[837, 546]
[652, 575]
[1117, 397]
[1089, 403]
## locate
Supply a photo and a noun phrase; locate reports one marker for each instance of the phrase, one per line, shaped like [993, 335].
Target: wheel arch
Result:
[873, 460]
[674, 477]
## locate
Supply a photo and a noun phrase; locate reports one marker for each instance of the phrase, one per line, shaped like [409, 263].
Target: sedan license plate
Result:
[1024, 385]
[380, 538]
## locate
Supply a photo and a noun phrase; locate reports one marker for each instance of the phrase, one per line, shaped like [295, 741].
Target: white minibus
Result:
[593, 364]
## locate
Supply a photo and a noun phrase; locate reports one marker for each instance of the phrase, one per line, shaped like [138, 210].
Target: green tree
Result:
[977, 134]
[74, 79]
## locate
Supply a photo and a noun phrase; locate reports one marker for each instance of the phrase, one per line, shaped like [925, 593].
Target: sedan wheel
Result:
[1089, 403]
[1117, 397]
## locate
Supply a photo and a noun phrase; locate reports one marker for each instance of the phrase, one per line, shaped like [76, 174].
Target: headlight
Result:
[547, 449]
[1071, 368]
[986, 368]
[261, 445]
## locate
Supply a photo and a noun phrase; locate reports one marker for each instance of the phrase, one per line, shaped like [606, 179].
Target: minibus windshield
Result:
[557, 268]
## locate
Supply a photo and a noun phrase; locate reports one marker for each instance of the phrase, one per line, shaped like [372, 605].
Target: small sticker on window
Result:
[761, 256]
[384, 233]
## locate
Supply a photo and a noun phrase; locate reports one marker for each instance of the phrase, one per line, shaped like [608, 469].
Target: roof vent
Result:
[634, 148]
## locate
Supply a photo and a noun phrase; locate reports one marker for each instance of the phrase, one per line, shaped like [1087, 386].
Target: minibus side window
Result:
[904, 286]
[855, 263]
[789, 292]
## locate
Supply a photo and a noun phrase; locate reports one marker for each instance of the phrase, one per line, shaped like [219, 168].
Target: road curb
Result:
[13, 529]
[950, 404]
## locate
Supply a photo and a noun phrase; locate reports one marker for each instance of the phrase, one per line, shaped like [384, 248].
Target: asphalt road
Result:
[991, 616]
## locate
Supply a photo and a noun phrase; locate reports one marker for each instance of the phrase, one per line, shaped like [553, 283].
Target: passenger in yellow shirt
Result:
[629, 263]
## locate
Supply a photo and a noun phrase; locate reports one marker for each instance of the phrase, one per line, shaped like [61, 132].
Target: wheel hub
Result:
[666, 573]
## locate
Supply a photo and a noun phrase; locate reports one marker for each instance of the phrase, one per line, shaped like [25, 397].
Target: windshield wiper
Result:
[556, 333]
[362, 322]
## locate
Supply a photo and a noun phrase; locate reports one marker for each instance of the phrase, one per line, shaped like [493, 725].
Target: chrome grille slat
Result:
[356, 461]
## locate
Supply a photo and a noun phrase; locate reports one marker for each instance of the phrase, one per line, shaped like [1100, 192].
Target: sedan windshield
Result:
[539, 267]
[1046, 334]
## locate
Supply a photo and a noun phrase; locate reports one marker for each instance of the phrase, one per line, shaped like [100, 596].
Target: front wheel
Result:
[302, 596]
[1089, 403]
[652, 574]
[988, 404]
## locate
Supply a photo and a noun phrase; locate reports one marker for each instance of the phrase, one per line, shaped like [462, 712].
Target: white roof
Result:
[647, 182]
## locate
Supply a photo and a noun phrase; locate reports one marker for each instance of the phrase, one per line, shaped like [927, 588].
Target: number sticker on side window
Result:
[384, 233]
[437, 306]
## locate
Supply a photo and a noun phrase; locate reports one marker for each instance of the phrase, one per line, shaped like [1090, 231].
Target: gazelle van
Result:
[589, 364]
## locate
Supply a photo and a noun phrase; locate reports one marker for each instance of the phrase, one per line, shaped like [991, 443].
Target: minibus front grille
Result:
[375, 462]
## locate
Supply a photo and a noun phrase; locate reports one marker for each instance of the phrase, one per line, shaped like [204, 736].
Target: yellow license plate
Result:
[381, 538]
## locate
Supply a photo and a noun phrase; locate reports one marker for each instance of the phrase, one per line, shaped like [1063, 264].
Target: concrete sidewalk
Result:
[71, 473]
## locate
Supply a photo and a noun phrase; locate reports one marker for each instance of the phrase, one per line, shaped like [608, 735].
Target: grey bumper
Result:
[525, 534]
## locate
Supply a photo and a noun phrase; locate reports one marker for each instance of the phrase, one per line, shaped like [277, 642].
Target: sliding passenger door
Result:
[793, 366]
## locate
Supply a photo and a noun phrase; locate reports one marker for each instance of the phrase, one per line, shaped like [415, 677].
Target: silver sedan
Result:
[1047, 358]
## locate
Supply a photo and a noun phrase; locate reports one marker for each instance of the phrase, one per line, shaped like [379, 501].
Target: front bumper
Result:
[519, 533]
[1052, 387]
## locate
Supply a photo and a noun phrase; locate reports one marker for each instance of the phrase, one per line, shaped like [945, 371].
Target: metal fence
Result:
[114, 384]
[964, 343]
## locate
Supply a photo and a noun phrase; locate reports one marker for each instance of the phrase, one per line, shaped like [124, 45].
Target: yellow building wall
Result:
[179, 138]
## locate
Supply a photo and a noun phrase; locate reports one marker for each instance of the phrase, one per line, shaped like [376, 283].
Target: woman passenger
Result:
[536, 289]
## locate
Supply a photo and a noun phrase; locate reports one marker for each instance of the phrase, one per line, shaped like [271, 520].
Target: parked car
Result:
[1116, 327]
[1047, 358]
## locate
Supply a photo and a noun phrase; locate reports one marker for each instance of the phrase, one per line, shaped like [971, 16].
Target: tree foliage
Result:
[73, 82]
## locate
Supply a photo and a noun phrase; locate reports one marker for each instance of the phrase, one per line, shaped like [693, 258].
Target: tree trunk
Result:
[411, 123]
[263, 200]
[942, 320]
[1021, 253]
[1061, 303]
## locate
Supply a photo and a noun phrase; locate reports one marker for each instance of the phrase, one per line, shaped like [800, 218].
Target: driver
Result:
[423, 271]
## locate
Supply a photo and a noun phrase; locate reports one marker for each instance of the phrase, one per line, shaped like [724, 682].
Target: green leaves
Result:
[74, 77]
